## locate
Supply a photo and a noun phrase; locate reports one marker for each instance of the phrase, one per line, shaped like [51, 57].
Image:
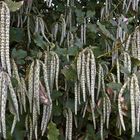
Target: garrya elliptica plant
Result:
[72, 69]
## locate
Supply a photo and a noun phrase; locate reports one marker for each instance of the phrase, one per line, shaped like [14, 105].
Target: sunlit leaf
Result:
[53, 132]
[14, 6]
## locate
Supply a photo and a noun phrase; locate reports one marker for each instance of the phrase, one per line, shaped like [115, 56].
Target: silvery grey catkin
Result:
[4, 38]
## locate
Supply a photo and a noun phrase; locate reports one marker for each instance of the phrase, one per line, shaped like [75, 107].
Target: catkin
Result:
[83, 78]
[15, 73]
[82, 32]
[13, 96]
[93, 76]
[138, 41]
[84, 110]
[76, 97]
[78, 93]
[47, 118]
[4, 39]
[102, 79]
[67, 126]
[45, 75]
[52, 69]
[28, 30]
[2, 32]
[119, 104]
[3, 104]
[99, 81]
[132, 106]
[128, 43]
[63, 29]
[137, 99]
[79, 64]
[36, 85]
[55, 30]
[23, 93]
[43, 116]
[70, 122]
[108, 111]
[48, 109]
[101, 127]
[118, 71]
[0, 94]
[31, 129]
[104, 109]
[93, 114]
[34, 113]
[88, 72]
[30, 85]
[36, 136]
[57, 70]
[14, 124]
[134, 46]
[42, 28]
[7, 29]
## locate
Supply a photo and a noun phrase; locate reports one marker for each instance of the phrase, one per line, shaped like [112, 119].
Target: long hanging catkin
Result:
[36, 85]
[119, 104]
[2, 32]
[30, 85]
[132, 101]
[4, 38]
[3, 104]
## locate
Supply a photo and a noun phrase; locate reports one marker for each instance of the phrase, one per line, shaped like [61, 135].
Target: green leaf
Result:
[105, 31]
[57, 110]
[56, 94]
[135, 61]
[35, 53]
[53, 132]
[70, 104]
[92, 27]
[72, 51]
[137, 136]
[16, 34]
[78, 43]
[14, 6]
[38, 39]
[61, 51]
[69, 73]
[19, 131]
[114, 86]
[90, 13]
[19, 54]
[79, 15]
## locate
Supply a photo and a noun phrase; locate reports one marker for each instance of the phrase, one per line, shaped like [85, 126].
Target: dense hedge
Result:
[70, 70]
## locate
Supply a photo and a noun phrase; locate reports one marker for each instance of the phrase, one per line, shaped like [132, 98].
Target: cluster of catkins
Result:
[43, 77]
[38, 91]
[5, 71]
